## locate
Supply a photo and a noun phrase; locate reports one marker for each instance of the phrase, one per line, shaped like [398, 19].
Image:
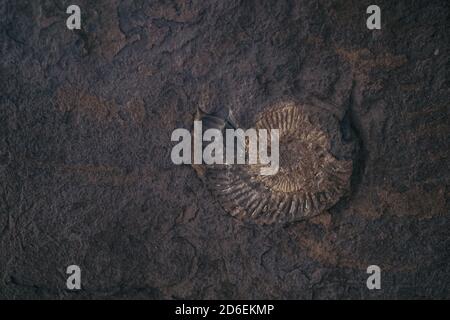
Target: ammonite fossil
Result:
[310, 178]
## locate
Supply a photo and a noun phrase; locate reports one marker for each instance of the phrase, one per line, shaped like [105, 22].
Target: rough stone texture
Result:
[85, 170]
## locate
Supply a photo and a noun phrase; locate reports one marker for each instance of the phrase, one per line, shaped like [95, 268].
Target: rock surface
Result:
[86, 176]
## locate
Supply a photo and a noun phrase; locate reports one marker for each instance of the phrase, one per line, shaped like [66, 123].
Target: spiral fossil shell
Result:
[310, 179]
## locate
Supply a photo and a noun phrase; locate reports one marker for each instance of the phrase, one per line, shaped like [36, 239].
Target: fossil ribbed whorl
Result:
[310, 179]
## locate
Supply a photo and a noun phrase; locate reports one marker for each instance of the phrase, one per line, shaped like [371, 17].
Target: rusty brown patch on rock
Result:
[327, 248]
[109, 39]
[136, 109]
[416, 202]
[71, 99]
[363, 60]
[174, 11]
[94, 108]
[111, 176]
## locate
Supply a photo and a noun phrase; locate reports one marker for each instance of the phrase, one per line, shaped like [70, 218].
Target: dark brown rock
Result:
[85, 170]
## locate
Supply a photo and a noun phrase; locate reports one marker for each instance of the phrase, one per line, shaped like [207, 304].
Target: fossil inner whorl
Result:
[309, 181]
